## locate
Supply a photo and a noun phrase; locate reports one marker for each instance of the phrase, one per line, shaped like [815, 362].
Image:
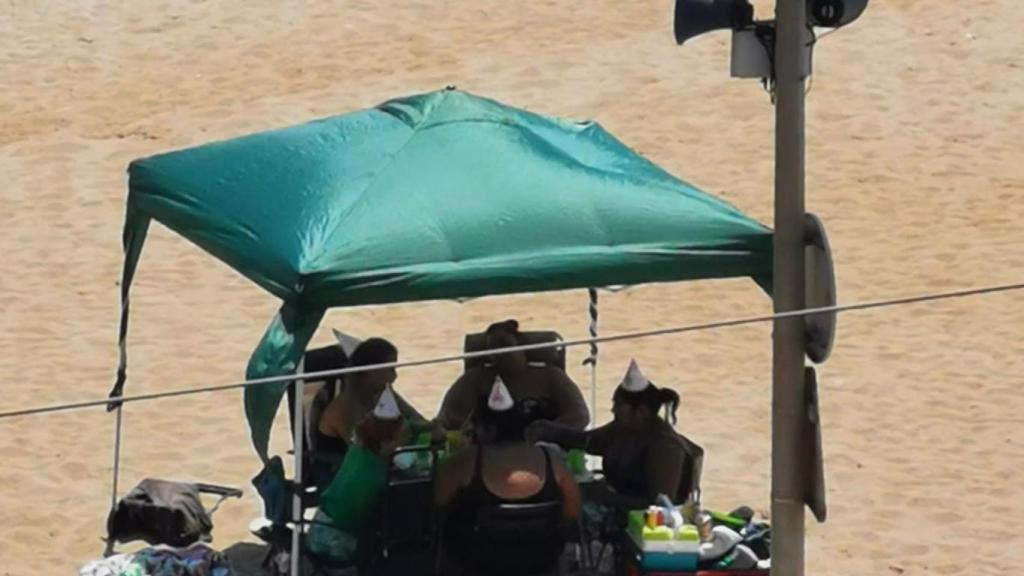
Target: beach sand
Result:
[914, 162]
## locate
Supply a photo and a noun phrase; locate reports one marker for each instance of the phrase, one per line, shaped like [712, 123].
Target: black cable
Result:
[765, 34]
[810, 67]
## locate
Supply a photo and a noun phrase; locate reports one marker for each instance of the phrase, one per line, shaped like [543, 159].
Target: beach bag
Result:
[758, 537]
[272, 487]
[351, 497]
[161, 512]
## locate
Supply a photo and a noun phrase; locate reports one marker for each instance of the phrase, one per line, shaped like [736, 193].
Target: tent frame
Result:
[295, 323]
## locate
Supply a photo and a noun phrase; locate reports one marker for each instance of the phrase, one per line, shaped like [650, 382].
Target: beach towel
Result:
[196, 560]
[114, 566]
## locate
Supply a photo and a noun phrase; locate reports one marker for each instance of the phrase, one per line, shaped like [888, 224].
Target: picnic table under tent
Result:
[442, 195]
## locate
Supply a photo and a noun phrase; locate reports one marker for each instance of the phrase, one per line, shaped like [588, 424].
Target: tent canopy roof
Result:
[442, 195]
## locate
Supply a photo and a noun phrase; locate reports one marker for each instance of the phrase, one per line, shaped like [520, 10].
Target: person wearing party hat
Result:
[385, 426]
[347, 504]
[502, 468]
[360, 392]
[541, 392]
[643, 455]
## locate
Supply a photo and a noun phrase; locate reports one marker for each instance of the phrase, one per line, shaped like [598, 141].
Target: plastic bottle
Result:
[692, 507]
[575, 458]
[667, 508]
[704, 523]
[652, 517]
[722, 541]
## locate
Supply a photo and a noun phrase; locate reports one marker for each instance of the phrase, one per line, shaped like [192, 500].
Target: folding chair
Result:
[506, 535]
[554, 357]
[405, 540]
[165, 512]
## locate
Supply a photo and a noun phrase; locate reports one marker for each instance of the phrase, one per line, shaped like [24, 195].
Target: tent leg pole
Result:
[116, 477]
[298, 435]
[593, 395]
[592, 309]
[788, 293]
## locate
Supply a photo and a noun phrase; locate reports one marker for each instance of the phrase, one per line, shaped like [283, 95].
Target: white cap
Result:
[634, 380]
[500, 399]
[387, 406]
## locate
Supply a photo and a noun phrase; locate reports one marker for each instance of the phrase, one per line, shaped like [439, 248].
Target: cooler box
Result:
[662, 549]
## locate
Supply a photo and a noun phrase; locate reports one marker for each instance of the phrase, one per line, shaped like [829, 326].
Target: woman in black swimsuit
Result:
[502, 468]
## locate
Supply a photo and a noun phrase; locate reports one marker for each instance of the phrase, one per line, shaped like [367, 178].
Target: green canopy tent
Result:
[441, 195]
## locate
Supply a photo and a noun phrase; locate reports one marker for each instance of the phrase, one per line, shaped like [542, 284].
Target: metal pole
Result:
[593, 395]
[298, 441]
[592, 360]
[788, 292]
[109, 550]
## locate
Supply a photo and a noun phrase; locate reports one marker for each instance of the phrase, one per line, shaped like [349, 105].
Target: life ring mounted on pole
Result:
[819, 290]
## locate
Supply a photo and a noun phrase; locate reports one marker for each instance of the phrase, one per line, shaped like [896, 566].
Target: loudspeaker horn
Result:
[695, 17]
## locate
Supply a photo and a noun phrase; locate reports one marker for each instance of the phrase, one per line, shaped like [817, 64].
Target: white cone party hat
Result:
[500, 399]
[387, 406]
[634, 380]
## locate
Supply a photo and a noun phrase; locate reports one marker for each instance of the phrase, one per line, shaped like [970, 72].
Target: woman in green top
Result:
[360, 391]
[348, 502]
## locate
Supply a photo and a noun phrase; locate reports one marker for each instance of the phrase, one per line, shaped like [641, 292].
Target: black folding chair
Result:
[405, 539]
[165, 512]
[505, 536]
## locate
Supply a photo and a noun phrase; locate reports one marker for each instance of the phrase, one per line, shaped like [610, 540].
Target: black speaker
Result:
[695, 17]
[834, 13]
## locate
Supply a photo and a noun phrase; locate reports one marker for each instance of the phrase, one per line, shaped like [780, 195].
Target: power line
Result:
[315, 376]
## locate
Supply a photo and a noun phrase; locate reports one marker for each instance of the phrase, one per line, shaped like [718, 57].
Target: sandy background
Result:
[914, 162]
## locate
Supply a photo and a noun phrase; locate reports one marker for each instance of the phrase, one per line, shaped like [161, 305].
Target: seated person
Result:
[359, 392]
[502, 469]
[347, 504]
[540, 392]
[643, 456]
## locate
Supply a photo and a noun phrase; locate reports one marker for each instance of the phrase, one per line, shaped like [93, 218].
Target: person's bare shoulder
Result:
[562, 383]
[331, 417]
[668, 445]
[560, 375]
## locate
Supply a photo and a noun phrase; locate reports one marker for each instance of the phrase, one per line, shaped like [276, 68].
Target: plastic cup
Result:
[576, 461]
[423, 439]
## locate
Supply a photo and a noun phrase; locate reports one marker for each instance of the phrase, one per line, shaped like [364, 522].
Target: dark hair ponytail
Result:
[652, 397]
[669, 398]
